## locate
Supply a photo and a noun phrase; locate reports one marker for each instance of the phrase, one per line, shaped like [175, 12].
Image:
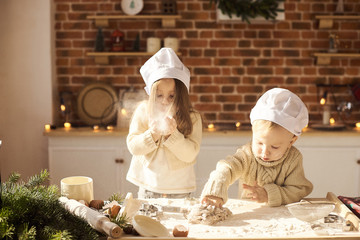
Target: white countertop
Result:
[88, 131]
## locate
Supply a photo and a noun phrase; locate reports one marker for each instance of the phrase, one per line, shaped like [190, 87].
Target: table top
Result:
[254, 221]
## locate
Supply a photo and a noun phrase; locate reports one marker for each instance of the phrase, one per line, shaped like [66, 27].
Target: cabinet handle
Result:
[119, 160]
[358, 161]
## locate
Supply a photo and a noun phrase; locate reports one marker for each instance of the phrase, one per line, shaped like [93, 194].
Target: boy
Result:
[269, 166]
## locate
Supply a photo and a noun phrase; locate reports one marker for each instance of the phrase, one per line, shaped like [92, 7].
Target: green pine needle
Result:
[30, 210]
[249, 9]
[116, 197]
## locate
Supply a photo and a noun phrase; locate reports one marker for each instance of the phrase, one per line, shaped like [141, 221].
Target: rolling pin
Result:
[96, 220]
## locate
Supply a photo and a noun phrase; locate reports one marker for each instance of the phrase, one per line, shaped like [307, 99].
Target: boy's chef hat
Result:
[164, 64]
[283, 107]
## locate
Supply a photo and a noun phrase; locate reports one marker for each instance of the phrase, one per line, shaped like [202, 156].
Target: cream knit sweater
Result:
[284, 180]
[180, 151]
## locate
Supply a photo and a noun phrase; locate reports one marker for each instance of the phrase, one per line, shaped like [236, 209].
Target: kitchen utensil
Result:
[129, 101]
[130, 206]
[78, 188]
[96, 103]
[148, 227]
[96, 220]
[310, 211]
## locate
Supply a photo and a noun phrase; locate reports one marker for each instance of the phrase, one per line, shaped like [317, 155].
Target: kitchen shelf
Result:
[325, 58]
[103, 57]
[327, 21]
[103, 20]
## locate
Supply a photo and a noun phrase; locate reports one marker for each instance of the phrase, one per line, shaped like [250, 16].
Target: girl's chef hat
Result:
[283, 107]
[164, 64]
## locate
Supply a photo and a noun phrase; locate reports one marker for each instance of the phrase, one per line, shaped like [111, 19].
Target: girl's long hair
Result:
[182, 106]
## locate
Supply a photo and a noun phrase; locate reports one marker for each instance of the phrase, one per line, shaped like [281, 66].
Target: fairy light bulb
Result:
[123, 112]
[211, 126]
[357, 125]
[332, 121]
[62, 107]
[305, 128]
[67, 125]
[238, 124]
[323, 98]
[322, 101]
[47, 127]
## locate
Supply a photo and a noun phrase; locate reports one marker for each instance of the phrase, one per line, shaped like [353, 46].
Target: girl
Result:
[269, 166]
[165, 131]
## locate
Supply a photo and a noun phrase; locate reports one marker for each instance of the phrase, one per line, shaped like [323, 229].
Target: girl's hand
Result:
[163, 127]
[171, 124]
[213, 201]
[155, 131]
[257, 193]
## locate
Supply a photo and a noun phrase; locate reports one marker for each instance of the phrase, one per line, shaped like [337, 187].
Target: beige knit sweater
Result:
[180, 151]
[284, 180]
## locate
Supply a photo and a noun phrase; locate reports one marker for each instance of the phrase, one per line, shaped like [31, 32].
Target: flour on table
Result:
[248, 219]
[207, 214]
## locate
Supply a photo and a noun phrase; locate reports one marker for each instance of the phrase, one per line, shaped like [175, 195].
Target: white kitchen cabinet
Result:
[331, 162]
[103, 158]
[214, 147]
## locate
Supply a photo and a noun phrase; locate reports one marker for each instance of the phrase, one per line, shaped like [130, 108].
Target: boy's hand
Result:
[257, 193]
[212, 200]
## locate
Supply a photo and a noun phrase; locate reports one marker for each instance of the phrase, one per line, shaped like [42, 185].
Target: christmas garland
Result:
[249, 9]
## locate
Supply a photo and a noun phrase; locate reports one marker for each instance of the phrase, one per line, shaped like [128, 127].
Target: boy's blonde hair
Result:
[265, 125]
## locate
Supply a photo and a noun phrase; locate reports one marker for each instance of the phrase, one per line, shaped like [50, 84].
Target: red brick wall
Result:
[231, 64]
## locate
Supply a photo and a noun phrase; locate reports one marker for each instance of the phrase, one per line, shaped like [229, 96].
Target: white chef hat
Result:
[164, 64]
[283, 107]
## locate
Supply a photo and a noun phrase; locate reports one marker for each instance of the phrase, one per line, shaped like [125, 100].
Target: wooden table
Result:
[340, 209]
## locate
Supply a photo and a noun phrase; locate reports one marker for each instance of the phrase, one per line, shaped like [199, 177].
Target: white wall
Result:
[25, 85]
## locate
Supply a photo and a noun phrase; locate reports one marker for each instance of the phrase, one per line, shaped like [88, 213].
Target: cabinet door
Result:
[332, 170]
[104, 165]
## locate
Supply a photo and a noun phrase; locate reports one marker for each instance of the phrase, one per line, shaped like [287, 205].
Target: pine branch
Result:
[37, 180]
[6, 229]
[31, 209]
[249, 9]
[26, 233]
[14, 178]
[116, 197]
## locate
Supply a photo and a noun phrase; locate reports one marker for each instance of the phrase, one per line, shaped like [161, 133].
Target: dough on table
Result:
[207, 214]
